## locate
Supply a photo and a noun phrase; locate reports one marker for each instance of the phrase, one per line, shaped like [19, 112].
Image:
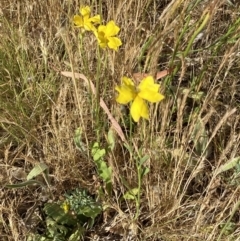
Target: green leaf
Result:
[229, 165]
[91, 211]
[194, 95]
[97, 153]
[38, 169]
[37, 237]
[24, 184]
[128, 148]
[111, 139]
[131, 194]
[77, 235]
[55, 230]
[143, 159]
[200, 138]
[105, 172]
[124, 182]
[145, 171]
[78, 140]
[55, 211]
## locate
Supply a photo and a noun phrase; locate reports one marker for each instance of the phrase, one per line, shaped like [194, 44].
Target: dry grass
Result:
[187, 138]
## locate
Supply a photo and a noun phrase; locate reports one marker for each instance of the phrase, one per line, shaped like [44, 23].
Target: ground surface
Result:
[191, 191]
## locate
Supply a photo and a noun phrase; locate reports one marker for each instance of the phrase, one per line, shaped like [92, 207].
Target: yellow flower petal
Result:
[102, 41]
[102, 29]
[84, 21]
[106, 36]
[78, 21]
[139, 109]
[125, 94]
[127, 81]
[89, 26]
[114, 43]
[103, 45]
[127, 91]
[100, 34]
[148, 83]
[151, 96]
[111, 29]
[149, 91]
[95, 19]
[85, 11]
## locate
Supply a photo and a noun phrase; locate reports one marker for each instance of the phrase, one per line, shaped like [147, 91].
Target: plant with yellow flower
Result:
[147, 90]
[84, 20]
[106, 36]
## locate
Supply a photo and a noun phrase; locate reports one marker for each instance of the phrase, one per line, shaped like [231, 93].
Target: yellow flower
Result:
[146, 90]
[84, 21]
[65, 206]
[106, 36]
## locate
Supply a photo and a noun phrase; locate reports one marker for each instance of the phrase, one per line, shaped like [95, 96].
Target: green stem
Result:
[140, 176]
[139, 191]
[200, 28]
[97, 103]
[236, 207]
